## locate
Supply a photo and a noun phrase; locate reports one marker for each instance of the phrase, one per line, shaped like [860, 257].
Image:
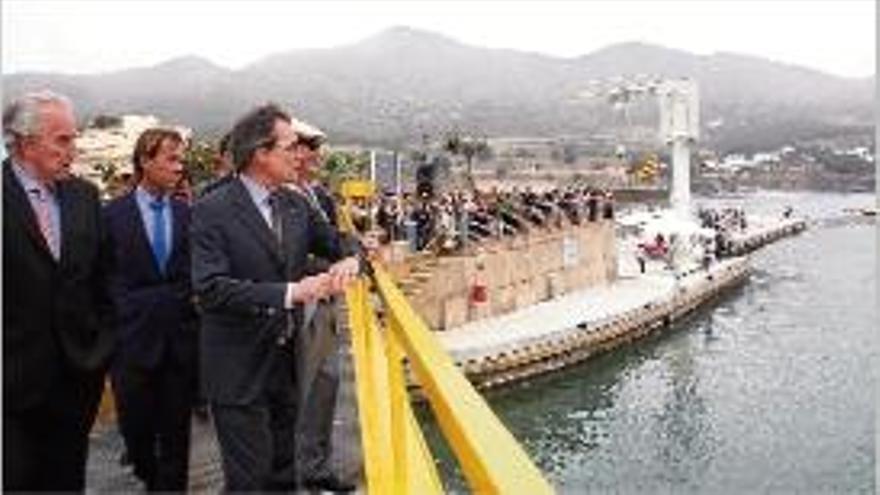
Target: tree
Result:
[198, 160]
[466, 146]
[340, 166]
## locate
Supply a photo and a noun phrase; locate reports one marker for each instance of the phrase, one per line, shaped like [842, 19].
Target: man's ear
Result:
[260, 154]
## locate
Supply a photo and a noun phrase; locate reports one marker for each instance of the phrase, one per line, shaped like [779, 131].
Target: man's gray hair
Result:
[21, 117]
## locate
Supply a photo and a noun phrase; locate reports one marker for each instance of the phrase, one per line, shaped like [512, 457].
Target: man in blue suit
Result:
[154, 372]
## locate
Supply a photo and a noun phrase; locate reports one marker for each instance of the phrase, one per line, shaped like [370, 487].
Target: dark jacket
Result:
[325, 200]
[215, 184]
[240, 276]
[56, 314]
[154, 310]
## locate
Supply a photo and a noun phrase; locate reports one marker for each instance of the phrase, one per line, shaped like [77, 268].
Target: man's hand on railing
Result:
[332, 282]
[342, 274]
[310, 289]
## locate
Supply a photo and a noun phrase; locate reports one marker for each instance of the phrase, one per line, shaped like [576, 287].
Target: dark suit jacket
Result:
[154, 310]
[326, 201]
[215, 184]
[55, 313]
[240, 275]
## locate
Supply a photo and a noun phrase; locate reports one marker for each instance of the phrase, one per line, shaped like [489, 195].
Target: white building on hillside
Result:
[113, 145]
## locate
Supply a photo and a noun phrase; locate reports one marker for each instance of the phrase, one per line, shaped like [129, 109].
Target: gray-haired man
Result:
[56, 330]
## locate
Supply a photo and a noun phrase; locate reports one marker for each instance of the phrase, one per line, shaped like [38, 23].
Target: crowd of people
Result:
[724, 221]
[226, 293]
[452, 220]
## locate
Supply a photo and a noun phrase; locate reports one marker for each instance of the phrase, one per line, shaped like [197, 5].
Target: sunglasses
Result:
[313, 143]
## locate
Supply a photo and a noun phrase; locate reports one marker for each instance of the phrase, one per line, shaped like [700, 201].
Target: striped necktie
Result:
[313, 201]
[44, 219]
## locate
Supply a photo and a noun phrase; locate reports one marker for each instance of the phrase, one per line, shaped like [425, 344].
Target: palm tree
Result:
[468, 147]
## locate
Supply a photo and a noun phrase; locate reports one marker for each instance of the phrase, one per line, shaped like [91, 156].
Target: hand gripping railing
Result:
[396, 457]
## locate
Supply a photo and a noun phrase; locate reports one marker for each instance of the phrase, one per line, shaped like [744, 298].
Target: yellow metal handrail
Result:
[491, 458]
[396, 457]
[395, 454]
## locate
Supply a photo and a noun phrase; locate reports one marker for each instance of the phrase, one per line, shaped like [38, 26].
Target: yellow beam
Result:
[490, 456]
[371, 386]
[396, 457]
[416, 472]
[358, 189]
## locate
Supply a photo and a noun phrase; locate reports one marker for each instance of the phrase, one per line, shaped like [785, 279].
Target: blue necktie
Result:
[160, 241]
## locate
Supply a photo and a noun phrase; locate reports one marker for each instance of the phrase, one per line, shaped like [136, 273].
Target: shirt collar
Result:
[259, 193]
[144, 196]
[28, 180]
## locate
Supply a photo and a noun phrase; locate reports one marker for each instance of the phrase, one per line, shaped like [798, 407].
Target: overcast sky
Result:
[836, 36]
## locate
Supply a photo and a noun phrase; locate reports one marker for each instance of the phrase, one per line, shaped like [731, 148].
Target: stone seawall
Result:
[516, 273]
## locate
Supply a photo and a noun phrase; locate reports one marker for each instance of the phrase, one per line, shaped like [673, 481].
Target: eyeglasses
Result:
[290, 147]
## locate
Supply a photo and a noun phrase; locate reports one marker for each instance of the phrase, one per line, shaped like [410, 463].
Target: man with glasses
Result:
[250, 244]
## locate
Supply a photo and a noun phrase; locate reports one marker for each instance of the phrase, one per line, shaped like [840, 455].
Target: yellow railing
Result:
[396, 457]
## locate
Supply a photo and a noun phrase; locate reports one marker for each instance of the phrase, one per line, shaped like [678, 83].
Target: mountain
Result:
[403, 82]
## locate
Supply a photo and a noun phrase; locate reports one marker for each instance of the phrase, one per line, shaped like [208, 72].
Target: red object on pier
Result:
[479, 293]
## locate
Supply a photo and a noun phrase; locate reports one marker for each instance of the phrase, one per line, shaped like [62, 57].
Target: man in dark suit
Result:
[154, 370]
[56, 313]
[250, 243]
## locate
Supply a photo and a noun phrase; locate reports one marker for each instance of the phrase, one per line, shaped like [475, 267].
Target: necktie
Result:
[160, 241]
[275, 216]
[44, 219]
[313, 200]
[274, 202]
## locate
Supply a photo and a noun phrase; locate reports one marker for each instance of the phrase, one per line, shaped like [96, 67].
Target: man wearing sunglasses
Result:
[317, 341]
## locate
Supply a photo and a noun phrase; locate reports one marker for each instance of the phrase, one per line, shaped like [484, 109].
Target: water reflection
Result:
[690, 441]
[765, 391]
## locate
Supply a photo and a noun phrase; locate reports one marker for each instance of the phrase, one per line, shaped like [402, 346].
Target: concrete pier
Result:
[569, 329]
[764, 232]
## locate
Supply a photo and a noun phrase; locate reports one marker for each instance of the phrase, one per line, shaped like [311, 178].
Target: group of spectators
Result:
[724, 222]
[450, 221]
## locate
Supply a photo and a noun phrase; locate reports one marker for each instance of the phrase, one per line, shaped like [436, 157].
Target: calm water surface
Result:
[769, 390]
